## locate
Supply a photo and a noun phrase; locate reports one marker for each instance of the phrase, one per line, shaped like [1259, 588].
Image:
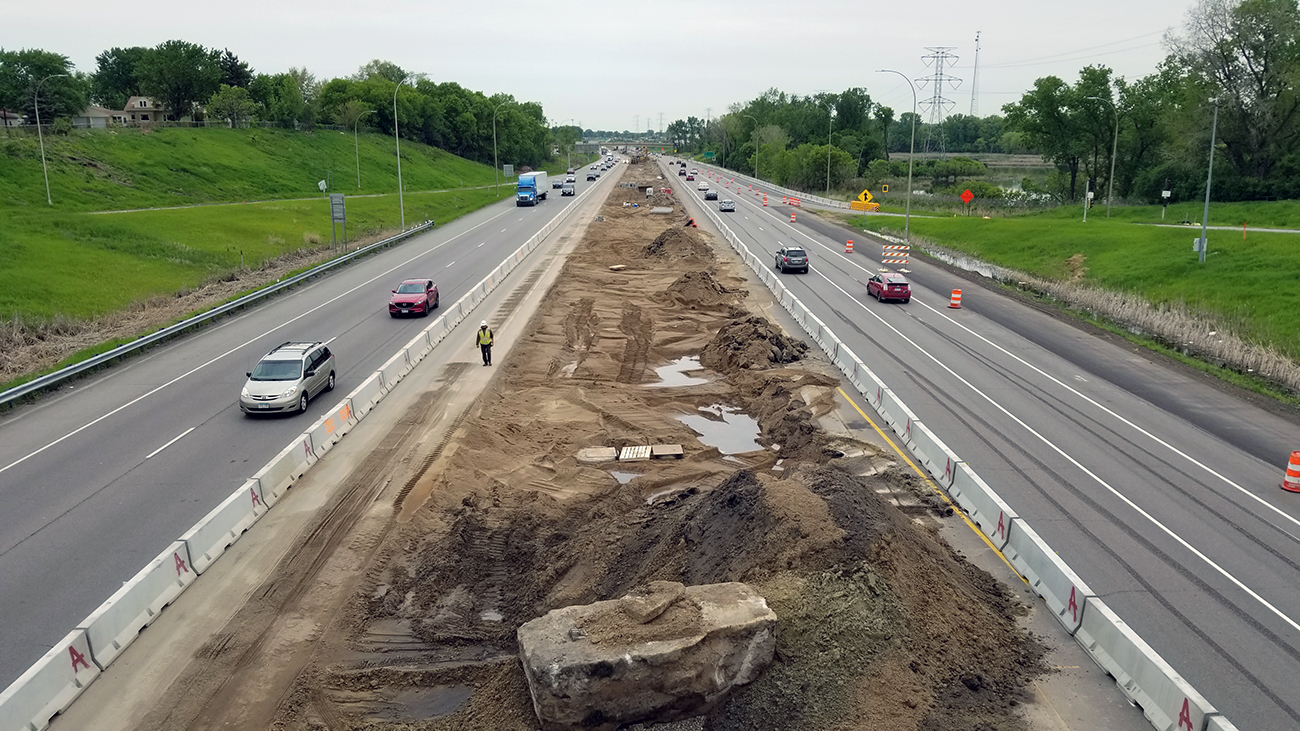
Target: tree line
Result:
[1243, 53]
[189, 80]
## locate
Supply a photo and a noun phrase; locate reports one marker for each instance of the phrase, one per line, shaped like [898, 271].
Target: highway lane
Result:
[101, 477]
[1159, 489]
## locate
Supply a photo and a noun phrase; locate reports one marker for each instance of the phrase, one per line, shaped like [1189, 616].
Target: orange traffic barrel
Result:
[955, 302]
[1291, 482]
[765, 201]
[848, 248]
[791, 217]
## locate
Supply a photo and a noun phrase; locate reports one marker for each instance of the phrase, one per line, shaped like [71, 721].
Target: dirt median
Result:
[881, 624]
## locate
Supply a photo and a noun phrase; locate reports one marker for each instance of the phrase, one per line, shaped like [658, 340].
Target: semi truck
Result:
[530, 188]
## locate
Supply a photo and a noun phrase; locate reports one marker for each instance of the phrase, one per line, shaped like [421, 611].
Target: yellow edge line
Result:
[926, 477]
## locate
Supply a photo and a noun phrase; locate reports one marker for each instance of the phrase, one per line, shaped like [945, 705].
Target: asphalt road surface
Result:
[1160, 489]
[98, 479]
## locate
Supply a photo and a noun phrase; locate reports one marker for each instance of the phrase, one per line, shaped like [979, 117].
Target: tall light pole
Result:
[907, 215]
[398, 141]
[356, 146]
[830, 115]
[45, 171]
[1209, 177]
[1114, 147]
[756, 147]
[496, 191]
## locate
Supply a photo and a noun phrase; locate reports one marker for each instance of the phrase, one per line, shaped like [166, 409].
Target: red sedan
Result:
[414, 297]
[889, 286]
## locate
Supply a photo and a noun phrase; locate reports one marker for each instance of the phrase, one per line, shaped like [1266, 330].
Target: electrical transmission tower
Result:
[937, 105]
[975, 78]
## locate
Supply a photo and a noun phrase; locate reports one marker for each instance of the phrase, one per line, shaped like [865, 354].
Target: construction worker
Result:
[483, 338]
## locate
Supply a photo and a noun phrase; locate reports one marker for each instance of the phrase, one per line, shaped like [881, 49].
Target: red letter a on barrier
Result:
[1002, 528]
[1073, 606]
[253, 493]
[181, 568]
[1185, 717]
[77, 659]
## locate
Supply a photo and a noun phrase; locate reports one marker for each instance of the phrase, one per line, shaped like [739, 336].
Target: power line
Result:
[939, 57]
[1055, 56]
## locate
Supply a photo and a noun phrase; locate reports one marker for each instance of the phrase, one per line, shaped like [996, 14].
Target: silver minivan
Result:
[287, 378]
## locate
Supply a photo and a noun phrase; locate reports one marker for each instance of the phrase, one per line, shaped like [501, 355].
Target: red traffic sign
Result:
[967, 196]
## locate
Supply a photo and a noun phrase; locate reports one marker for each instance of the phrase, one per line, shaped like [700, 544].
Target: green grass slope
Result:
[1249, 285]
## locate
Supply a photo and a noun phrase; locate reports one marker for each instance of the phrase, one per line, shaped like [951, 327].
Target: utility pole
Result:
[1209, 177]
[975, 78]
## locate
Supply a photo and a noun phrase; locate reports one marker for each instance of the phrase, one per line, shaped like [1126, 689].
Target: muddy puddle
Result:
[674, 375]
[728, 429]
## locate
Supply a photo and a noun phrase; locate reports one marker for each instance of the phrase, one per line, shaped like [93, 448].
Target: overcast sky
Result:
[613, 64]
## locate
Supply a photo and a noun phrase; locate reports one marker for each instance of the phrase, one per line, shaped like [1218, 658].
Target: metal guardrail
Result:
[51, 379]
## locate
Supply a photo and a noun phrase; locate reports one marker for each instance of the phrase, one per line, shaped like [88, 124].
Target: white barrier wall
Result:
[284, 469]
[330, 428]
[982, 505]
[118, 621]
[364, 397]
[938, 460]
[49, 686]
[210, 537]
[1047, 574]
[391, 372]
[1141, 674]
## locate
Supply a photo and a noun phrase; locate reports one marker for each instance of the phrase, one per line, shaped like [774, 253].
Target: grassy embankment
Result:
[245, 195]
[112, 260]
[1246, 286]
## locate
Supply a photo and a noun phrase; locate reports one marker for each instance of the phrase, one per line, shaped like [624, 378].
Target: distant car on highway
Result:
[727, 206]
[591, 175]
[710, 195]
[690, 177]
[567, 189]
[570, 179]
[889, 286]
[791, 258]
[702, 186]
[681, 171]
[569, 171]
[287, 378]
[695, 171]
[413, 297]
[556, 182]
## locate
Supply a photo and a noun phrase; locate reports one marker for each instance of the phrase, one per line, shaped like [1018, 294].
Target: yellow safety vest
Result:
[484, 336]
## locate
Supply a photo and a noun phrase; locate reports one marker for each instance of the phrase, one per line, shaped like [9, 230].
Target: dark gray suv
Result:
[791, 258]
[287, 378]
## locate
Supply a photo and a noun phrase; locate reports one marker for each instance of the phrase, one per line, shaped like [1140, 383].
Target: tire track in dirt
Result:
[640, 331]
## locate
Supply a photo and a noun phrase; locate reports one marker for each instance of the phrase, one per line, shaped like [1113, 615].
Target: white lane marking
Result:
[168, 444]
[505, 229]
[245, 344]
[480, 245]
[1097, 478]
[449, 265]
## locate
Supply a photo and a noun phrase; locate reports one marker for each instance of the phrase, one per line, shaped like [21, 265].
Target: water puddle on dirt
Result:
[421, 703]
[674, 374]
[729, 429]
[625, 477]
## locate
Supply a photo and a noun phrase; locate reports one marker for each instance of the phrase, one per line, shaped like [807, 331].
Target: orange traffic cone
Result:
[848, 248]
[1291, 482]
[955, 302]
[791, 217]
[783, 200]
[765, 201]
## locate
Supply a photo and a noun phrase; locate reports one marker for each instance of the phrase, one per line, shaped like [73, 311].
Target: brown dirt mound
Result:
[878, 619]
[751, 343]
[700, 288]
[678, 242]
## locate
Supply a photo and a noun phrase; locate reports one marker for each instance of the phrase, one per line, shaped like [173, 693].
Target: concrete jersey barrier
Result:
[330, 428]
[211, 536]
[118, 621]
[285, 468]
[49, 686]
[1048, 575]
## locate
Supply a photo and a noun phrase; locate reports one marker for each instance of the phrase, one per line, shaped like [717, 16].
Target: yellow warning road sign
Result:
[865, 196]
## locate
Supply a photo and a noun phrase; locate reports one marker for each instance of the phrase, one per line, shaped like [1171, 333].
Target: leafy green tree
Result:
[377, 69]
[233, 71]
[21, 73]
[116, 76]
[232, 103]
[179, 75]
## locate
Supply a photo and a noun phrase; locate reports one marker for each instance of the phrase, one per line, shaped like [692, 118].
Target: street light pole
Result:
[357, 146]
[397, 140]
[1209, 177]
[496, 191]
[757, 148]
[830, 115]
[907, 215]
[44, 171]
[1114, 148]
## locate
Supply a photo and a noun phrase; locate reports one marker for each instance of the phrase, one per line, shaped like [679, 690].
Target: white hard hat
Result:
[483, 324]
